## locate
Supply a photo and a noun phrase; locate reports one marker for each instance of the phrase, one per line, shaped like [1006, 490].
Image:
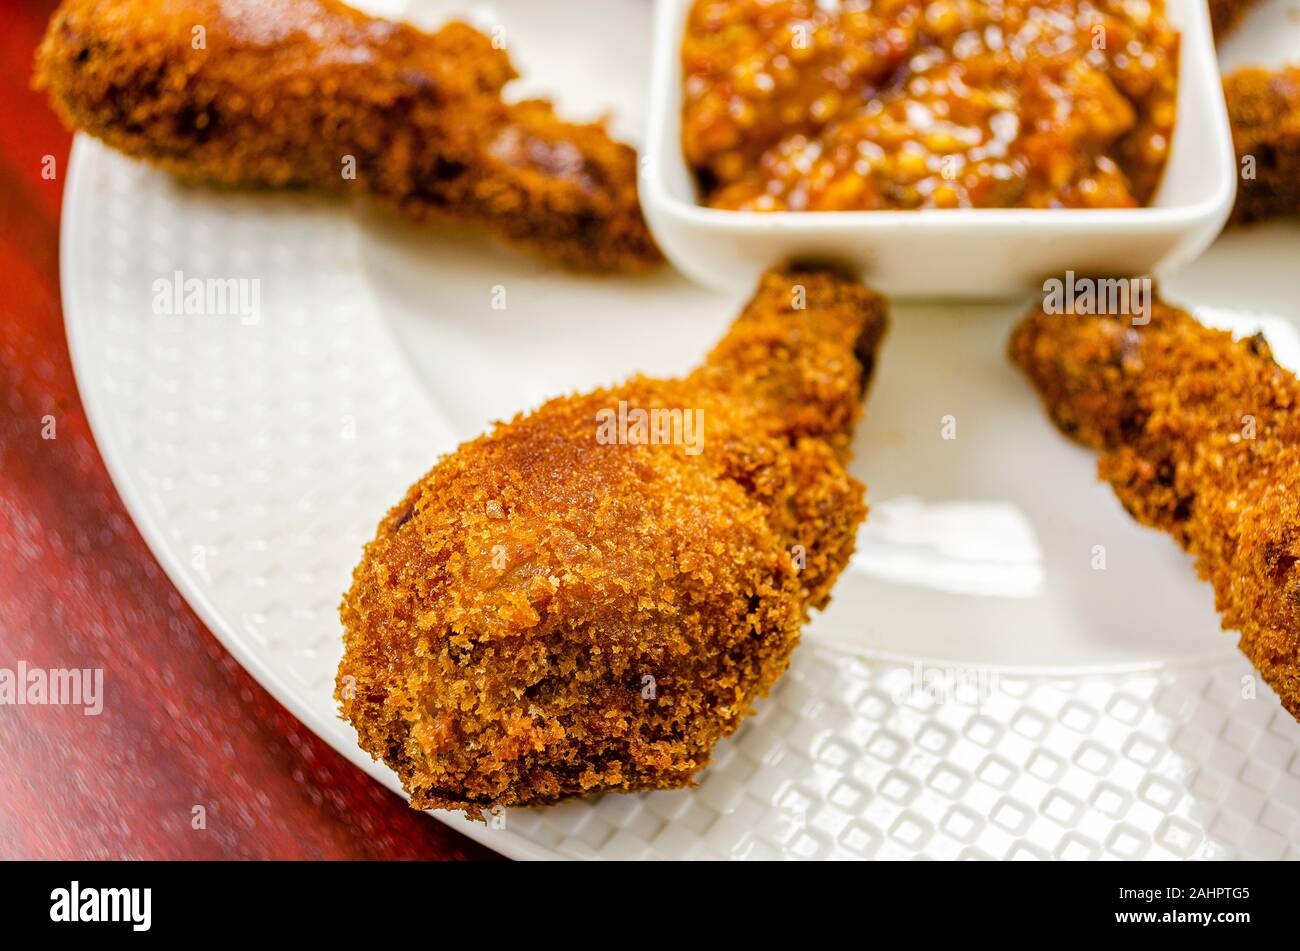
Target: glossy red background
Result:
[183, 724]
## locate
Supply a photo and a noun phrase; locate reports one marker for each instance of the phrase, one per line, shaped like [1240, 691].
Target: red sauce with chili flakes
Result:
[797, 105]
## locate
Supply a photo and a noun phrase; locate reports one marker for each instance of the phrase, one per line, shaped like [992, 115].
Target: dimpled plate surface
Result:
[1082, 709]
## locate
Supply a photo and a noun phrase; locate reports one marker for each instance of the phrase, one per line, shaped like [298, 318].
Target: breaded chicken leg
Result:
[550, 613]
[1264, 110]
[1200, 437]
[313, 93]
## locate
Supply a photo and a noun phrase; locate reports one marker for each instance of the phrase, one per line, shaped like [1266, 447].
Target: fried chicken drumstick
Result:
[1264, 110]
[547, 614]
[312, 93]
[1199, 435]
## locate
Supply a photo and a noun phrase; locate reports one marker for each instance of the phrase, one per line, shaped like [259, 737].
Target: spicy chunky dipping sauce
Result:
[833, 105]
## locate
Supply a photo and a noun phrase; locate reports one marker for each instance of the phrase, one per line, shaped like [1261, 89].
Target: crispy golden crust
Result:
[1264, 109]
[312, 93]
[1200, 437]
[546, 615]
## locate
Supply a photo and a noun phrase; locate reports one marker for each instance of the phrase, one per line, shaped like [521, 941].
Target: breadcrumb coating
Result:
[1199, 435]
[546, 615]
[312, 93]
[1264, 110]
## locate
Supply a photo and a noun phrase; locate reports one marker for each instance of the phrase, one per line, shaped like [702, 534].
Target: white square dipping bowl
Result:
[972, 253]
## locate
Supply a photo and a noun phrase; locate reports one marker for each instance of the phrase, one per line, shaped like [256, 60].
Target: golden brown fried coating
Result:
[313, 93]
[547, 614]
[1264, 109]
[1200, 437]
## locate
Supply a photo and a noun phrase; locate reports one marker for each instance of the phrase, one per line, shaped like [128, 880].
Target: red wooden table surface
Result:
[182, 724]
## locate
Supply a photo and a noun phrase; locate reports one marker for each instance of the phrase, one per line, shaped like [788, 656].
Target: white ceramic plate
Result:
[1102, 714]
